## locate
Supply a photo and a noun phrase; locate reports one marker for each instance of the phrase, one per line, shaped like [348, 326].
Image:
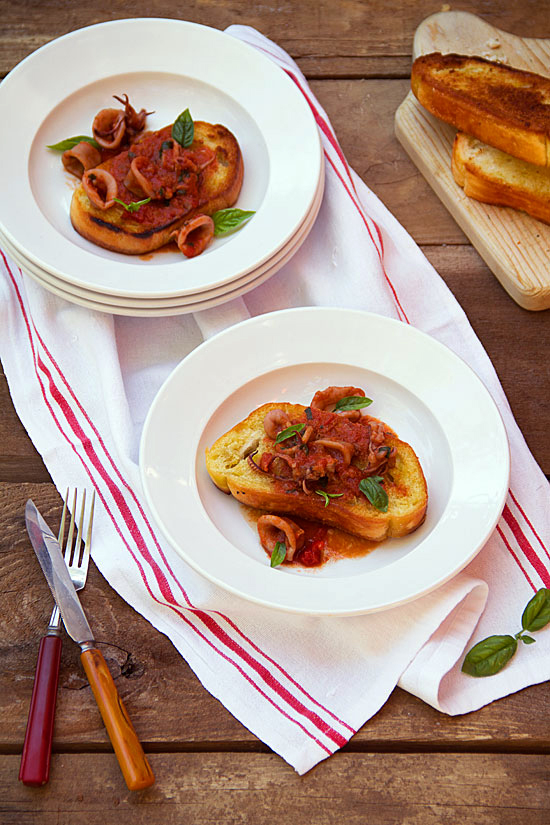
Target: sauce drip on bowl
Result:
[322, 544]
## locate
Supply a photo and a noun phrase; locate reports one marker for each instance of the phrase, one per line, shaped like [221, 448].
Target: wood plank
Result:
[18, 458]
[152, 678]
[381, 789]
[326, 38]
[493, 315]
[372, 150]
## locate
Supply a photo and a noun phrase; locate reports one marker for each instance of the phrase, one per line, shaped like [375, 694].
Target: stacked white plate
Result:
[166, 66]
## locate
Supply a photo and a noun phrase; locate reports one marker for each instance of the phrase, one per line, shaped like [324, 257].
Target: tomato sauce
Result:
[177, 184]
[322, 544]
[320, 466]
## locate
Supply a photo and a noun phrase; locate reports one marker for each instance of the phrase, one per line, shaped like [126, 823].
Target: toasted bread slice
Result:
[504, 107]
[489, 175]
[229, 467]
[121, 231]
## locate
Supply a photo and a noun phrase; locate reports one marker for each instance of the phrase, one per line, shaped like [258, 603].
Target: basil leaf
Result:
[289, 432]
[279, 554]
[328, 496]
[537, 612]
[133, 206]
[70, 143]
[375, 493]
[352, 402]
[226, 220]
[489, 656]
[167, 144]
[183, 129]
[528, 640]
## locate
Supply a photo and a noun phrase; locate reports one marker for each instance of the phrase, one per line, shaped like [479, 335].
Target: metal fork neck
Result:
[54, 627]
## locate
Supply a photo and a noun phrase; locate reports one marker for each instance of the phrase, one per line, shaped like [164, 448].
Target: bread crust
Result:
[228, 466]
[117, 230]
[504, 107]
[491, 176]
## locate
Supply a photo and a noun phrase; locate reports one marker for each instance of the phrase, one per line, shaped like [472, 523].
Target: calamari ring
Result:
[194, 235]
[270, 529]
[109, 127]
[80, 158]
[101, 187]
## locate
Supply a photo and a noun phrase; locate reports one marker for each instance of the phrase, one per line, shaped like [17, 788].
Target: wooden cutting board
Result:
[515, 246]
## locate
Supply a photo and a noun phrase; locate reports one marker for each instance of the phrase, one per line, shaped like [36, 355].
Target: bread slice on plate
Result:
[135, 233]
[504, 107]
[234, 460]
[489, 175]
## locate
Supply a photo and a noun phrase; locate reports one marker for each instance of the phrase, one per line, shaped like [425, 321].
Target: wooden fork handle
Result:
[133, 762]
[35, 761]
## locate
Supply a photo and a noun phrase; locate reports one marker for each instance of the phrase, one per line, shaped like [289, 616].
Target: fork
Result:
[35, 760]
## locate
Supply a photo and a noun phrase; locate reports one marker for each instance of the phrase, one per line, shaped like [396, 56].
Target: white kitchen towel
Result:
[82, 383]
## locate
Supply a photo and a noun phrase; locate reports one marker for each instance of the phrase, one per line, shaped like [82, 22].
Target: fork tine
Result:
[89, 533]
[63, 517]
[69, 544]
[86, 544]
[78, 543]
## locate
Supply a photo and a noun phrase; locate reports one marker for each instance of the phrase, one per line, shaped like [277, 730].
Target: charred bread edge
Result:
[532, 145]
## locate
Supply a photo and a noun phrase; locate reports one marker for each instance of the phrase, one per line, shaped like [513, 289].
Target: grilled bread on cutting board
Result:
[491, 176]
[504, 107]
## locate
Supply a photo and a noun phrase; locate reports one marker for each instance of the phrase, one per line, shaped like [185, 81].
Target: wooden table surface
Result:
[409, 764]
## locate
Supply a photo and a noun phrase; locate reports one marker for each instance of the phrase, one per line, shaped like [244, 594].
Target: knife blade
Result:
[133, 762]
[48, 552]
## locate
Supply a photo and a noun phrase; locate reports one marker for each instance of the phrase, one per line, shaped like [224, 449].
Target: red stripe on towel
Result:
[509, 548]
[536, 535]
[325, 128]
[328, 133]
[526, 547]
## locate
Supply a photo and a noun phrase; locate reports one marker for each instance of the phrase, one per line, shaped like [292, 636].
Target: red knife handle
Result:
[35, 761]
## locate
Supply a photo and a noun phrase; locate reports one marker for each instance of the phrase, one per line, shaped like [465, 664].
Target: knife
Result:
[133, 762]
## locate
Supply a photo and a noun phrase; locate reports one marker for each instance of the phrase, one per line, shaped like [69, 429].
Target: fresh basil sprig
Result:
[70, 143]
[328, 496]
[490, 655]
[279, 554]
[183, 129]
[352, 402]
[289, 432]
[537, 611]
[134, 205]
[226, 220]
[375, 493]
